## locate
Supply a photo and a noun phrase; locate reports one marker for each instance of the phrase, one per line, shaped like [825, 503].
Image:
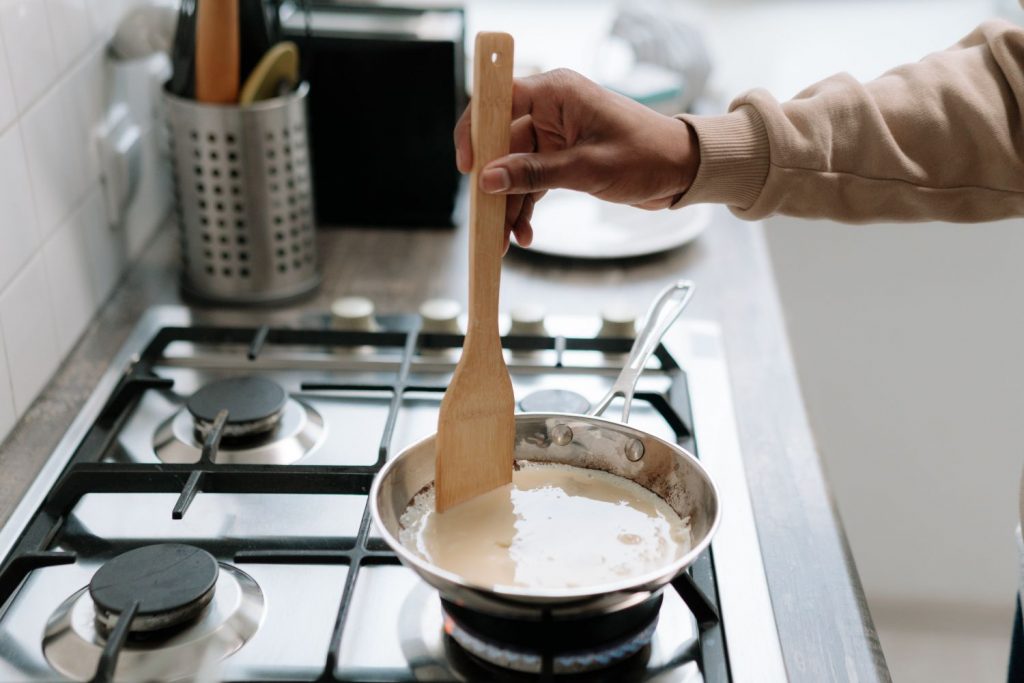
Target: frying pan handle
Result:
[664, 311]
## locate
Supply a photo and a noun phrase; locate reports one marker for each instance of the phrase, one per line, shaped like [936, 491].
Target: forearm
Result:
[940, 139]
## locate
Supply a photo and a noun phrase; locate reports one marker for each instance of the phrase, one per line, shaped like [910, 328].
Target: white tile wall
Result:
[56, 155]
[60, 258]
[29, 47]
[18, 233]
[8, 110]
[26, 314]
[72, 29]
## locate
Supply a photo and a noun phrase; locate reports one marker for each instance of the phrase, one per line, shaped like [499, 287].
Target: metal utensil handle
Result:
[663, 312]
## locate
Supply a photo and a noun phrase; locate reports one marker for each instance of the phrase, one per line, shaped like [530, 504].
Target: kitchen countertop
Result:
[825, 630]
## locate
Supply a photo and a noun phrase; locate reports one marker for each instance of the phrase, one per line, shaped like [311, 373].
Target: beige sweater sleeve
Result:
[940, 139]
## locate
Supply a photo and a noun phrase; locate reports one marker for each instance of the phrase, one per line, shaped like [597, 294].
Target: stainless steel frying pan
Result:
[587, 441]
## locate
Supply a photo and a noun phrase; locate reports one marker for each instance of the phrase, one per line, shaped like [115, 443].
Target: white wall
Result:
[908, 342]
[59, 258]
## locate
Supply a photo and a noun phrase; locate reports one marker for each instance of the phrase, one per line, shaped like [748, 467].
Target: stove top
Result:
[205, 516]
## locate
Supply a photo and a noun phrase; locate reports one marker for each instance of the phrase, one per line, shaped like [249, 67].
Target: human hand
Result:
[569, 132]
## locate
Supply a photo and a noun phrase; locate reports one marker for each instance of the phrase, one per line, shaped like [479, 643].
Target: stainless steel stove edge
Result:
[748, 619]
[154, 319]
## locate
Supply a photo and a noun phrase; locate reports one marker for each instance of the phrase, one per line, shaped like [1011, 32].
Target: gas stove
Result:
[205, 517]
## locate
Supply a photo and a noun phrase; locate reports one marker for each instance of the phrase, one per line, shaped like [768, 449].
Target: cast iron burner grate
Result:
[89, 472]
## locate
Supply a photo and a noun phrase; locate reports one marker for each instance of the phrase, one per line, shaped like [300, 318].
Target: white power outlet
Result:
[119, 152]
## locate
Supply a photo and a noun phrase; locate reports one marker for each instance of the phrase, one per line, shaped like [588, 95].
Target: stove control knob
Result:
[441, 316]
[353, 314]
[618, 321]
[528, 320]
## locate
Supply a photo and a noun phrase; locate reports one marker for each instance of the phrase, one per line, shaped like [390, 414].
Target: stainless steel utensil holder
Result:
[244, 198]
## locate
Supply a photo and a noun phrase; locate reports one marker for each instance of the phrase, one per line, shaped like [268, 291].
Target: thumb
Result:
[525, 173]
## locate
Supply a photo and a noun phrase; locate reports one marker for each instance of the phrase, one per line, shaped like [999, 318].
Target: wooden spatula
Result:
[476, 427]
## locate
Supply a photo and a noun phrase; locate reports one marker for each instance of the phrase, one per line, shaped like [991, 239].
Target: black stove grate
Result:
[86, 472]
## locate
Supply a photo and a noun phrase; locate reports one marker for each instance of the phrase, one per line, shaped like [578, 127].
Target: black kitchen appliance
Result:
[387, 85]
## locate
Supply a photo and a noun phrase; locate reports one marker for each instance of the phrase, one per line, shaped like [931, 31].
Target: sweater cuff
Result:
[734, 156]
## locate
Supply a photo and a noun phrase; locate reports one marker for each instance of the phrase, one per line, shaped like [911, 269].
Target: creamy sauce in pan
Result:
[555, 526]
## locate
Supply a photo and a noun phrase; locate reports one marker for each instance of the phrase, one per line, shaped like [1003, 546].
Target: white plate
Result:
[576, 225]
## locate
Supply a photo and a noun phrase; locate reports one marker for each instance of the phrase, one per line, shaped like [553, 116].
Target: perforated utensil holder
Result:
[244, 198]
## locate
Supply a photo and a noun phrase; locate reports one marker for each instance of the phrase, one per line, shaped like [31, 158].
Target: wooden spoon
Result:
[278, 69]
[476, 427]
[217, 51]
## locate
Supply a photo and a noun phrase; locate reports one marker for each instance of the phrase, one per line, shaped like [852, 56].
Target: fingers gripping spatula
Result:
[476, 427]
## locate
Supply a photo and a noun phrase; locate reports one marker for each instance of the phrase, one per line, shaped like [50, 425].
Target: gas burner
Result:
[264, 427]
[171, 582]
[76, 632]
[558, 646]
[254, 404]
